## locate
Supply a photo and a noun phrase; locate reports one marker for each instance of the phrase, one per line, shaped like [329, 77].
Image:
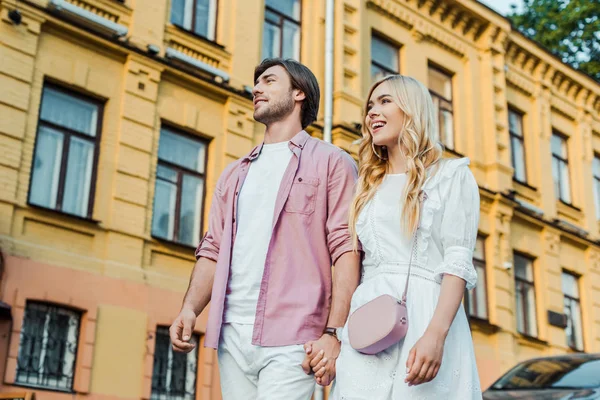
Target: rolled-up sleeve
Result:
[342, 177]
[211, 242]
[459, 227]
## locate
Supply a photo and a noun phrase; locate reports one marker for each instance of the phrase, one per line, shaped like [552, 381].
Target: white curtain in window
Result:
[165, 198]
[79, 177]
[291, 40]
[518, 159]
[206, 12]
[46, 167]
[191, 203]
[565, 186]
[384, 53]
[446, 129]
[182, 151]
[178, 12]
[68, 111]
[531, 312]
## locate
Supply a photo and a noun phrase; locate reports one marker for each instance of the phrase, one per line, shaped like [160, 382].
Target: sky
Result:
[502, 6]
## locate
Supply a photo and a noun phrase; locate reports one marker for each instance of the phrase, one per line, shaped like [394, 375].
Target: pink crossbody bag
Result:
[383, 321]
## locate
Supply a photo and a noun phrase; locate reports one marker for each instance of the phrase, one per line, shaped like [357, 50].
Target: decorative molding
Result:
[453, 16]
[445, 41]
[563, 108]
[198, 49]
[552, 242]
[595, 258]
[547, 71]
[516, 81]
[111, 10]
[392, 11]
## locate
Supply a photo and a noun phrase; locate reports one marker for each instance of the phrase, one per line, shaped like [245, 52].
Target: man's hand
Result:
[181, 331]
[320, 358]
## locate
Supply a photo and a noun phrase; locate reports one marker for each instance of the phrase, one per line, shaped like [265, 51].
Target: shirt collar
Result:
[299, 141]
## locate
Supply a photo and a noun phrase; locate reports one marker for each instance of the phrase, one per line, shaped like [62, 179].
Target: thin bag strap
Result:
[414, 246]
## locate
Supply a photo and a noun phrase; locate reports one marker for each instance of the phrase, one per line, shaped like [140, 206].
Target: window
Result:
[440, 87]
[517, 145]
[282, 29]
[64, 164]
[384, 58]
[560, 168]
[179, 193]
[596, 170]
[197, 16]
[476, 299]
[173, 374]
[574, 330]
[48, 347]
[525, 296]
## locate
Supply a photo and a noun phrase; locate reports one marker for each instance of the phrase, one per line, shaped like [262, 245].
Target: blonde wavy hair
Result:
[417, 142]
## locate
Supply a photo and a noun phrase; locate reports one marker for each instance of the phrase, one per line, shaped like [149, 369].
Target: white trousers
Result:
[251, 372]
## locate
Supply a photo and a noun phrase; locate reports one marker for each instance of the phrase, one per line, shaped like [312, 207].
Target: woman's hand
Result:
[425, 358]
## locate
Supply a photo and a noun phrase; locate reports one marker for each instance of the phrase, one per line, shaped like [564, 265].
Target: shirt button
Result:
[233, 220]
[299, 179]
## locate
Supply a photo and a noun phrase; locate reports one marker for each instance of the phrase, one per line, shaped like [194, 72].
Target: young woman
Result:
[404, 184]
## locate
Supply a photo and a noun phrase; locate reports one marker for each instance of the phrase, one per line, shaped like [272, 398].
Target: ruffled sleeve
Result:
[460, 220]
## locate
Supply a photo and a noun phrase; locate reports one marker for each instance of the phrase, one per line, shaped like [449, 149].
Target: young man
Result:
[278, 222]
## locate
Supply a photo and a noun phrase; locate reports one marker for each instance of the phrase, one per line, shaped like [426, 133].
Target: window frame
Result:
[67, 134]
[180, 172]
[442, 100]
[389, 71]
[52, 307]
[169, 350]
[570, 299]
[192, 28]
[280, 24]
[479, 264]
[531, 286]
[563, 162]
[521, 139]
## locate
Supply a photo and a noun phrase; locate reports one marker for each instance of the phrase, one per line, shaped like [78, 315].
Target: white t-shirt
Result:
[256, 206]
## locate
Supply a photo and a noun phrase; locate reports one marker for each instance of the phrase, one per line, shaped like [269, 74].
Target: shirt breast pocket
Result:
[303, 196]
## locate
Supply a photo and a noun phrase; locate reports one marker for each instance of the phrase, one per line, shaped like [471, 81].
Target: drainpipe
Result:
[329, 15]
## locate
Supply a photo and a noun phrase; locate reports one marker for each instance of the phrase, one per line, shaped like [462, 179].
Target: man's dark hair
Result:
[302, 79]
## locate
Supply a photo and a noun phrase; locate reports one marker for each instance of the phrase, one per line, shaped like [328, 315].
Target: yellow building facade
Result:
[117, 118]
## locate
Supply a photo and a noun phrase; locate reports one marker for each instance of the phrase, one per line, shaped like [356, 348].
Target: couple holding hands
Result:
[280, 316]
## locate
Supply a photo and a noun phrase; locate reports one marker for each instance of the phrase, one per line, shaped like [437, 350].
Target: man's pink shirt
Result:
[310, 232]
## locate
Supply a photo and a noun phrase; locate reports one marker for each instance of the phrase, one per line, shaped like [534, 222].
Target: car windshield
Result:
[570, 373]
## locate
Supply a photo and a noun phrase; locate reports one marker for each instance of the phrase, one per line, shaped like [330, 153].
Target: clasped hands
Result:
[320, 358]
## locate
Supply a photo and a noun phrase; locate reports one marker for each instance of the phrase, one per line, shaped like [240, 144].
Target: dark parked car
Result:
[567, 377]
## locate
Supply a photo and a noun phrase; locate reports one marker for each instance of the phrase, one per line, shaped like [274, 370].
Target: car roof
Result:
[588, 356]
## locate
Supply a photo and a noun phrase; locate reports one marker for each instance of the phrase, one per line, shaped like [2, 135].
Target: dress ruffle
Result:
[445, 171]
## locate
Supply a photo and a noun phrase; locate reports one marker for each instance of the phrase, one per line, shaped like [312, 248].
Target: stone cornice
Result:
[452, 18]
[517, 81]
[526, 56]
[394, 11]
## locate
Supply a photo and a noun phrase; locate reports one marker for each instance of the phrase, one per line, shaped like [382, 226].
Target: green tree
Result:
[570, 29]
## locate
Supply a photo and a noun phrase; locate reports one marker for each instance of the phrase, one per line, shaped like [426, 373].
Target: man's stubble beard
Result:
[276, 111]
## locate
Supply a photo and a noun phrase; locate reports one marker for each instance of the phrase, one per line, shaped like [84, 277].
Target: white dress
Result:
[446, 239]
